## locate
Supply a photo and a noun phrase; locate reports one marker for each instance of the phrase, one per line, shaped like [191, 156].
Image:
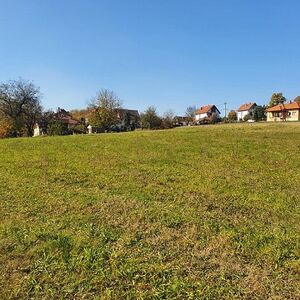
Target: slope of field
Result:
[207, 212]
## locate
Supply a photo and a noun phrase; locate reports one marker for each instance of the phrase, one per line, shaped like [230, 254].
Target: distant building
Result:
[246, 109]
[128, 118]
[181, 121]
[62, 116]
[206, 111]
[284, 112]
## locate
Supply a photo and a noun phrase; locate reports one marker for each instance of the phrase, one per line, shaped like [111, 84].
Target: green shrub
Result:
[58, 128]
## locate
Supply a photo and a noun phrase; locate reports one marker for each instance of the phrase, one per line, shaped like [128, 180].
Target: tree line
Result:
[21, 110]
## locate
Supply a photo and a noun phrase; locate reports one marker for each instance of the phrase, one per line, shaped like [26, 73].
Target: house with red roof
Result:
[206, 111]
[62, 116]
[246, 109]
[284, 112]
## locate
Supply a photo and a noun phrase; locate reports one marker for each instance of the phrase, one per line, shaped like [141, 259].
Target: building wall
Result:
[36, 131]
[242, 114]
[291, 115]
[200, 116]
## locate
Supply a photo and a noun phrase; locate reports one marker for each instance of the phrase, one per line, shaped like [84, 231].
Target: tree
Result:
[79, 114]
[247, 118]
[190, 112]
[57, 127]
[46, 120]
[103, 117]
[20, 103]
[276, 98]
[168, 119]
[150, 119]
[106, 99]
[232, 116]
[104, 109]
[297, 99]
[5, 126]
[259, 113]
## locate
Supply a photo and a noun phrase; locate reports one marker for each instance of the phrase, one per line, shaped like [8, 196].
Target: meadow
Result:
[207, 212]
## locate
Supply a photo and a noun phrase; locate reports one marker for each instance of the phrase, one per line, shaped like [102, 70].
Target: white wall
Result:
[242, 114]
[200, 116]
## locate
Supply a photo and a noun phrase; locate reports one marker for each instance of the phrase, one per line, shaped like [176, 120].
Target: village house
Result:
[284, 112]
[206, 111]
[62, 116]
[128, 118]
[246, 109]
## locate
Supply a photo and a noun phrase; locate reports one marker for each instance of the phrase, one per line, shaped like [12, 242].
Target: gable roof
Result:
[247, 106]
[283, 107]
[205, 109]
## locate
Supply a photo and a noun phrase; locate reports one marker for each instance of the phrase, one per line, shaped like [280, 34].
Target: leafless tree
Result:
[104, 109]
[106, 99]
[190, 112]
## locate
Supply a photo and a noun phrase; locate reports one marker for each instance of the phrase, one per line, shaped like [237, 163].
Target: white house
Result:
[246, 109]
[206, 111]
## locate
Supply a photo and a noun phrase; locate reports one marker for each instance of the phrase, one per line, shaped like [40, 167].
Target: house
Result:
[127, 119]
[62, 116]
[206, 111]
[245, 110]
[181, 121]
[65, 117]
[284, 112]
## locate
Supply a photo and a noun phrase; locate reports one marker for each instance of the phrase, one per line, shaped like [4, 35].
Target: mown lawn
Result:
[207, 212]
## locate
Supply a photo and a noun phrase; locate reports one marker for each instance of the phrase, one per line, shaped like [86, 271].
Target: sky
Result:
[167, 53]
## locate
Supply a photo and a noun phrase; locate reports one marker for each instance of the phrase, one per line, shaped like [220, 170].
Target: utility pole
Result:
[225, 110]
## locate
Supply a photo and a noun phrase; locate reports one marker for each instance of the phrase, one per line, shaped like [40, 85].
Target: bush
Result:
[79, 129]
[58, 128]
[150, 119]
[232, 116]
[5, 128]
[247, 117]
[259, 113]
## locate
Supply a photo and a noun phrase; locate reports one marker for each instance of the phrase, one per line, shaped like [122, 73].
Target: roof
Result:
[247, 106]
[122, 112]
[65, 117]
[205, 109]
[283, 107]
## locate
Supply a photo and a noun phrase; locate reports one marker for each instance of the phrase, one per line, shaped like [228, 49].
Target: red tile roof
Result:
[246, 106]
[283, 107]
[204, 109]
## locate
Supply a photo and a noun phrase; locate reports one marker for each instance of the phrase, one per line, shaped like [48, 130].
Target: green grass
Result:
[207, 212]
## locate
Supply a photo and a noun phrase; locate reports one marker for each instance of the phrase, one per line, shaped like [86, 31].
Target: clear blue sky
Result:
[167, 53]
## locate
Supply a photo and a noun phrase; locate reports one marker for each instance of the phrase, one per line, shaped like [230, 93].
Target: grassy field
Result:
[206, 212]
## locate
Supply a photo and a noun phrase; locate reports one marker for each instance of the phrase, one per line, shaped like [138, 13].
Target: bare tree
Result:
[190, 112]
[168, 119]
[106, 99]
[20, 102]
[104, 109]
